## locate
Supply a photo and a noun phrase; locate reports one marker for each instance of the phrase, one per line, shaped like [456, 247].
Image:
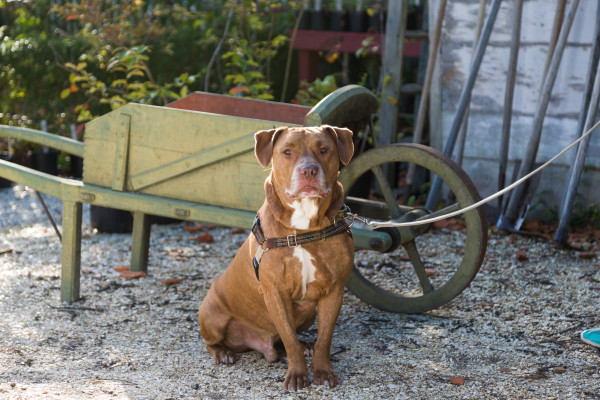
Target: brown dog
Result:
[254, 308]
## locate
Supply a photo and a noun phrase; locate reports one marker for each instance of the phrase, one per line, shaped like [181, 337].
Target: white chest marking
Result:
[308, 267]
[304, 210]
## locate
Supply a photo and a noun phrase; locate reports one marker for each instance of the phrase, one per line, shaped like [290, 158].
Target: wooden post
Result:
[392, 70]
[140, 242]
[71, 251]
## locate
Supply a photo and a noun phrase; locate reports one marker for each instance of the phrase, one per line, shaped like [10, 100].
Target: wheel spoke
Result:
[443, 211]
[415, 259]
[387, 192]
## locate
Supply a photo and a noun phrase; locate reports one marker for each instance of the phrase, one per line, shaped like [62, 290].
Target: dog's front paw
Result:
[308, 348]
[296, 381]
[221, 355]
[327, 378]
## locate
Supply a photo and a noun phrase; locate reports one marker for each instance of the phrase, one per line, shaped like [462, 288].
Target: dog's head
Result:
[305, 160]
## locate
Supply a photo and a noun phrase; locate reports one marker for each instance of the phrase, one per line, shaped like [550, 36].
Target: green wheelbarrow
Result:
[194, 160]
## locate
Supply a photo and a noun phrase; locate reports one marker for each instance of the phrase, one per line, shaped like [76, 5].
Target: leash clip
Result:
[256, 260]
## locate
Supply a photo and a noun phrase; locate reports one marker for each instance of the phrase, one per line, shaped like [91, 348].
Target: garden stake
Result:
[39, 197]
[516, 208]
[508, 95]
[462, 134]
[433, 52]
[586, 114]
[465, 98]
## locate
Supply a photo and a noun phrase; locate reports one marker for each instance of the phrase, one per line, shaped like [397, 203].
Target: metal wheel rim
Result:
[466, 194]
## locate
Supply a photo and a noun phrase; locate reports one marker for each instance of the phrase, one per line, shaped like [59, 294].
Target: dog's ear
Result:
[263, 145]
[343, 137]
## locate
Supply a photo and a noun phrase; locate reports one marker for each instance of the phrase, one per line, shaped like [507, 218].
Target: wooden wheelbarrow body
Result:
[174, 162]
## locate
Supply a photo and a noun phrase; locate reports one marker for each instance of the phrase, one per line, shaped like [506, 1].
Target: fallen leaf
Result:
[181, 259]
[193, 228]
[457, 380]
[441, 224]
[430, 271]
[122, 268]
[86, 271]
[133, 274]
[205, 238]
[559, 370]
[586, 255]
[522, 256]
[235, 231]
[172, 281]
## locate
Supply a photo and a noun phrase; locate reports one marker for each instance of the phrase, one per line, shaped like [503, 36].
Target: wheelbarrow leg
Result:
[140, 241]
[71, 251]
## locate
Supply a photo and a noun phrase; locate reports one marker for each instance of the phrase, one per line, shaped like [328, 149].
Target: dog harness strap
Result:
[292, 240]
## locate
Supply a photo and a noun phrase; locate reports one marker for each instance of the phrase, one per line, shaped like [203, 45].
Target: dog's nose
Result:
[309, 171]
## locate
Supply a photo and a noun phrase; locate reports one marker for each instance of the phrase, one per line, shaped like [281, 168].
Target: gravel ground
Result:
[514, 333]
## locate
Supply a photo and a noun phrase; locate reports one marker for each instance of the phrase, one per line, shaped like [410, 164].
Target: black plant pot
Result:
[304, 21]
[318, 20]
[376, 22]
[339, 21]
[110, 220]
[358, 21]
[76, 167]
[4, 183]
[45, 161]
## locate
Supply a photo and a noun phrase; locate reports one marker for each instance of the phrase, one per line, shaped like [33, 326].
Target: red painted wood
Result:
[309, 43]
[242, 107]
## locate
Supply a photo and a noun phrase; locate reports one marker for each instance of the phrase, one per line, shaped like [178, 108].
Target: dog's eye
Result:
[324, 150]
[287, 152]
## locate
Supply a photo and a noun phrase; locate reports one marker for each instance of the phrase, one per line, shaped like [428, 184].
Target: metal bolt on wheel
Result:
[418, 279]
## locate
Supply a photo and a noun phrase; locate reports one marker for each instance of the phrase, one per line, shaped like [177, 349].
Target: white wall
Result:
[485, 122]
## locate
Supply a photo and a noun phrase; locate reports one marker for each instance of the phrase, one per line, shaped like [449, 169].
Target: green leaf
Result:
[239, 78]
[184, 91]
[135, 72]
[65, 93]
[118, 82]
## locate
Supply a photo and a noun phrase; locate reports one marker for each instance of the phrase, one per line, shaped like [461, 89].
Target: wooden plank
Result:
[71, 251]
[43, 138]
[392, 70]
[140, 241]
[159, 136]
[122, 153]
[192, 162]
[348, 42]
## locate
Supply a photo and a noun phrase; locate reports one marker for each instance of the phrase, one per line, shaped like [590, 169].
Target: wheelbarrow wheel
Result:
[416, 277]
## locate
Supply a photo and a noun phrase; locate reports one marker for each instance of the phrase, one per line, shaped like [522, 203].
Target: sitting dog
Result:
[296, 260]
